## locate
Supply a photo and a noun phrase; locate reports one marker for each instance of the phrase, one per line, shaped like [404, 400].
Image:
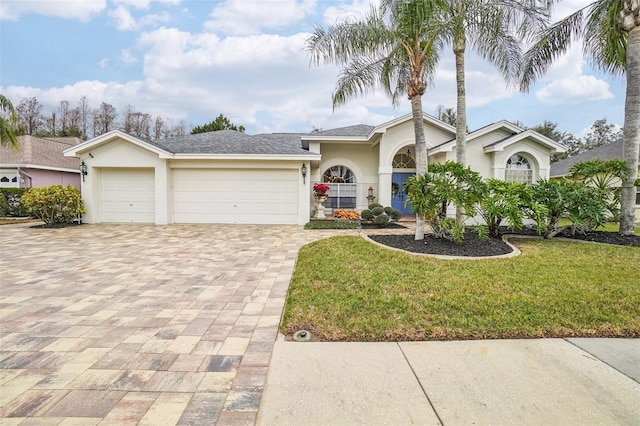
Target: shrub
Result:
[377, 211]
[395, 215]
[4, 206]
[366, 214]
[579, 203]
[374, 205]
[447, 184]
[381, 220]
[54, 204]
[12, 197]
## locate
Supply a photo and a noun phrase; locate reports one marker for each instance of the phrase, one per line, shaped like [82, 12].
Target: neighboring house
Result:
[610, 151]
[231, 177]
[39, 162]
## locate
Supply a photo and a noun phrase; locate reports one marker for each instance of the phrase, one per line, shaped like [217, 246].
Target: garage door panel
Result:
[263, 196]
[128, 195]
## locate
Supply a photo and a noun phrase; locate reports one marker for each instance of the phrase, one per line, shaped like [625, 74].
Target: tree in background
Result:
[566, 139]
[7, 134]
[448, 115]
[220, 123]
[30, 119]
[394, 48]
[610, 34]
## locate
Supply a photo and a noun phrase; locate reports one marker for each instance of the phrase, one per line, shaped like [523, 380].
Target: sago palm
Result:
[610, 34]
[393, 48]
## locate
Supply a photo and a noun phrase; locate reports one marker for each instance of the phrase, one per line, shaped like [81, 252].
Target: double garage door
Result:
[251, 196]
[262, 196]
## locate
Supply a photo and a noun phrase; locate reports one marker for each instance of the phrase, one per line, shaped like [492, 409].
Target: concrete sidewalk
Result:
[534, 382]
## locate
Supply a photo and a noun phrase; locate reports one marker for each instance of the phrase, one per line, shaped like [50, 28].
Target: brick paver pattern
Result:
[141, 324]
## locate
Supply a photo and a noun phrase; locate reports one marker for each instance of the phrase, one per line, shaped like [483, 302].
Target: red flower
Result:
[320, 189]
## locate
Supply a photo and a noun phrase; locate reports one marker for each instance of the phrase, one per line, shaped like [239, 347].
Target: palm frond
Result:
[605, 44]
[552, 43]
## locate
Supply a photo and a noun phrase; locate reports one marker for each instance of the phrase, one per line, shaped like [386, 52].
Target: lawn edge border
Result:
[515, 251]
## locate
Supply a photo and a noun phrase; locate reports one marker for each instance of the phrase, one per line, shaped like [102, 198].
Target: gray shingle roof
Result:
[609, 151]
[362, 130]
[232, 142]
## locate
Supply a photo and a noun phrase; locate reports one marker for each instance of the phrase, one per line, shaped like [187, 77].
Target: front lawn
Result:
[347, 289]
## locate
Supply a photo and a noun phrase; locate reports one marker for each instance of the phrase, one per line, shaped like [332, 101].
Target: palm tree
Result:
[393, 48]
[610, 34]
[7, 136]
[493, 29]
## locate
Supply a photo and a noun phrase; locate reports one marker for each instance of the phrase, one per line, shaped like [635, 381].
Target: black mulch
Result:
[391, 225]
[473, 246]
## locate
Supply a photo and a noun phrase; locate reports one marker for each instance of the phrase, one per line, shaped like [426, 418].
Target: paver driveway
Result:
[128, 324]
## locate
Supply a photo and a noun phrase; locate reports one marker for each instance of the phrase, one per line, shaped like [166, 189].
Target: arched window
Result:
[342, 187]
[404, 159]
[338, 174]
[518, 170]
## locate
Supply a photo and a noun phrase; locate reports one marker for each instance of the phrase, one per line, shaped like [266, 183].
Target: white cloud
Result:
[143, 4]
[123, 19]
[127, 57]
[240, 17]
[584, 88]
[356, 10]
[67, 9]
[103, 63]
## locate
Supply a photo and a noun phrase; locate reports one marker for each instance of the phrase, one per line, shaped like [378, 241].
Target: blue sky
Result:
[193, 60]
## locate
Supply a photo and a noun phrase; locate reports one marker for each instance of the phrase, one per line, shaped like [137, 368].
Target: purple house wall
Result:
[39, 162]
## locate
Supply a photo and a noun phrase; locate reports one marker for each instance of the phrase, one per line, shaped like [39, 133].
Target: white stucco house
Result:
[231, 177]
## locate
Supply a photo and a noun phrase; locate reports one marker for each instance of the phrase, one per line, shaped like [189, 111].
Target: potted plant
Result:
[320, 196]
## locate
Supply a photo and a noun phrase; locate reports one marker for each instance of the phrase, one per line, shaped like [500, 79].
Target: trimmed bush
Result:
[14, 207]
[377, 211]
[381, 220]
[395, 215]
[374, 205]
[54, 204]
[366, 214]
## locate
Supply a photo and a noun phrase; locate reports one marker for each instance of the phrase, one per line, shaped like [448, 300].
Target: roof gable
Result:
[527, 134]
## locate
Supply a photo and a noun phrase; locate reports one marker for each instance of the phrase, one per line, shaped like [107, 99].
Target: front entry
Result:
[398, 197]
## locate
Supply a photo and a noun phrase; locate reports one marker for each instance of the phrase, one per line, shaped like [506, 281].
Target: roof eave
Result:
[79, 149]
[244, 157]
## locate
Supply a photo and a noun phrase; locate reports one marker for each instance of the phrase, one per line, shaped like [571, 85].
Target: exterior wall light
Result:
[83, 169]
[303, 170]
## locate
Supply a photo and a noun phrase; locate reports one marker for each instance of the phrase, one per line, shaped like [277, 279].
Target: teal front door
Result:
[398, 197]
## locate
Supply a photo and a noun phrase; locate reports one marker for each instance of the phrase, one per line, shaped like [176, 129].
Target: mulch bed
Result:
[473, 246]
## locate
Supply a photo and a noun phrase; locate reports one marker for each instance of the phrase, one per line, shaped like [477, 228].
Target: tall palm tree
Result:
[610, 34]
[494, 30]
[393, 48]
[7, 136]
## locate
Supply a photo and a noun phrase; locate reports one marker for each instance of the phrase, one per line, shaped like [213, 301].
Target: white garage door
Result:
[263, 196]
[128, 195]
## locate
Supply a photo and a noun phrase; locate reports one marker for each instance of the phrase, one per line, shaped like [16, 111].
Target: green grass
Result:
[347, 289]
[608, 226]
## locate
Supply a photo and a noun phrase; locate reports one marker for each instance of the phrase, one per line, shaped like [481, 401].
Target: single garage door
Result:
[263, 196]
[128, 195]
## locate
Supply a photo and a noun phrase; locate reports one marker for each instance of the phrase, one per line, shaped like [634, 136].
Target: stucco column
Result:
[384, 185]
[162, 193]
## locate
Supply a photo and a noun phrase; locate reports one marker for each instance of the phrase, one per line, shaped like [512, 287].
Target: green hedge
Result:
[10, 204]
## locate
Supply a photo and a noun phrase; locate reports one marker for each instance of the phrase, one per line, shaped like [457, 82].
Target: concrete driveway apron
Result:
[141, 324]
